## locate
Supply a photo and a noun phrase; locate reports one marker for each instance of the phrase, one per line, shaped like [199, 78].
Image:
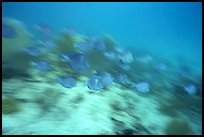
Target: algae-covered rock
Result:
[22, 38]
[109, 42]
[65, 42]
[181, 103]
[9, 106]
[178, 127]
[98, 61]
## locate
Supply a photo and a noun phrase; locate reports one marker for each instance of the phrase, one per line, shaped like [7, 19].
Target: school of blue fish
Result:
[79, 62]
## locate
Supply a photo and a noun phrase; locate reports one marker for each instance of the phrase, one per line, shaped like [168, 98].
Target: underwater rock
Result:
[109, 42]
[67, 82]
[47, 99]
[128, 131]
[11, 72]
[65, 42]
[10, 106]
[96, 57]
[178, 127]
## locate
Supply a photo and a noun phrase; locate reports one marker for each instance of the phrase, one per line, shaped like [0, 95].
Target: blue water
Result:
[170, 32]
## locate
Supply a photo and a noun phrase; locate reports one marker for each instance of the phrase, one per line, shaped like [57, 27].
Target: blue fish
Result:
[124, 66]
[45, 29]
[33, 51]
[99, 45]
[133, 85]
[41, 65]
[161, 67]
[105, 78]
[48, 43]
[121, 79]
[95, 83]
[64, 58]
[76, 61]
[190, 89]
[142, 87]
[67, 82]
[126, 57]
[71, 31]
[83, 46]
[8, 31]
[110, 55]
[79, 62]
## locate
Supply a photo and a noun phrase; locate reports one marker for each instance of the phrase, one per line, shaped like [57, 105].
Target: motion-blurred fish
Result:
[45, 29]
[33, 51]
[106, 78]
[119, 50]
[83, 46]
[124, 66]
[8, 32]
[190, 89]
[144, 59]
[126, 57]
[77, 61]
[142, 87]
[71, 31]
[110, 55]
[48, 43]
[121, 79]
[41, 65]
[95, 83]
[161, 67]
[99, 45]
[67, 82]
